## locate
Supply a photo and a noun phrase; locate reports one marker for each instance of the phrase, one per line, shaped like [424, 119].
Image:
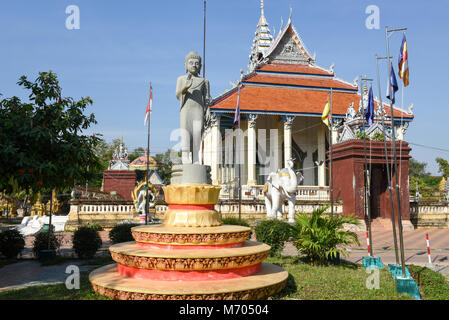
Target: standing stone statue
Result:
[193, 93]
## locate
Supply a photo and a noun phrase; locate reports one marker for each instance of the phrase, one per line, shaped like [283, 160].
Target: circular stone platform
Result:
[188, 236]
[269, 280]
[130, 254]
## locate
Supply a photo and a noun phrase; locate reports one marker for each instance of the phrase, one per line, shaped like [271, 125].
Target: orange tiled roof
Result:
[265, 99]
[300, 81]
[294, 68]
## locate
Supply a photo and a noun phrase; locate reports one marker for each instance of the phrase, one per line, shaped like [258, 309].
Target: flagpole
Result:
[204, 77]
[393, 219]
[367, 197]
[148, 159]
[393, 138]
[330, 159]
[204, 41]
[239, 151]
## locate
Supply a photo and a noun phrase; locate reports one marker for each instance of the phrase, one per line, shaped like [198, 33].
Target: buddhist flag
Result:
[369, 112]
[325, 115]
[237, 109]
[403, 62]
[392, 86]
[149, 106]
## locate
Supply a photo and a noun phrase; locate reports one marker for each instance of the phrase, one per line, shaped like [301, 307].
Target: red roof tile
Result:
[290, 100]
[300, 81]
[294, 68]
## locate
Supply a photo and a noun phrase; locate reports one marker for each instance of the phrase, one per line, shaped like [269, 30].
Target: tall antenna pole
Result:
[393, 139]
[147, 204]
[330, 158]
[204, 77]
[204, 42]
[393, 219]
[239, 153]
[367, 185]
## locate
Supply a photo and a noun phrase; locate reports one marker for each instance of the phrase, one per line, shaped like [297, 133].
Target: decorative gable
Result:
[347, 134]
[288, 48]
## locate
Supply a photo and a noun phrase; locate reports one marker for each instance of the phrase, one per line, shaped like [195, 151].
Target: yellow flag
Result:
[325, 115]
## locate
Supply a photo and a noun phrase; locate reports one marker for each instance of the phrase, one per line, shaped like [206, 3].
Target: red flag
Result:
[149, 106]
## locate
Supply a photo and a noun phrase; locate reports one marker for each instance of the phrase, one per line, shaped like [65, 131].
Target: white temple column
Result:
[215, 149]
[252, 149]
[322, 155]
[334, 134]
[288, 121]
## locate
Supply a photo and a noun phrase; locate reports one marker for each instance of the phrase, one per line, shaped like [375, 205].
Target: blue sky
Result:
[122, 46]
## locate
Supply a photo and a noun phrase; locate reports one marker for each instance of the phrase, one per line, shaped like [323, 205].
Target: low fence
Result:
[303, 193]
[255, 209]
[429, 214]
[106, 213]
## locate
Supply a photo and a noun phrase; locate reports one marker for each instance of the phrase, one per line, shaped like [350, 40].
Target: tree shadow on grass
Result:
[330, 263]
[290, 288]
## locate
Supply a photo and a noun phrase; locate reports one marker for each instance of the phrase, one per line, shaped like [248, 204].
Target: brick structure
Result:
[122, 182]
[348, 168]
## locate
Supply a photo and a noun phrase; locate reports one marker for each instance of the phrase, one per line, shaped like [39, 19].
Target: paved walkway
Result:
[415, 247]
[30, 273]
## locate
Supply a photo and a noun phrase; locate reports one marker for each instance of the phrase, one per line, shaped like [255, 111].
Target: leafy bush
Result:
[122, 232]
[11, 243]
[86, 241]
[322, 238]
[95, 226]
[235, 221]
[41, 243]
[274, 233]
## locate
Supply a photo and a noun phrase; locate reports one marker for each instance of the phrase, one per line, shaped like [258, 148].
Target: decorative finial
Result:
[290, 17]
[282, 25]
[261, 7]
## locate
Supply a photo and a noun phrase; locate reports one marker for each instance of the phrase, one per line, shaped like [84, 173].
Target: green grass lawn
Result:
[54, 292]
[344, 281]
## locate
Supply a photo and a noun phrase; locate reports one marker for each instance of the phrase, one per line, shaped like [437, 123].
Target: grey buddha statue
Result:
[193, 92]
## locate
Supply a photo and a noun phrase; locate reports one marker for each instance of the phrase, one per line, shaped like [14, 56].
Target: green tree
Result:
[417, 169]
[41, 141]
[165, 170]
[443, 167]
[104, 151]
[42, 145]
[136, 153]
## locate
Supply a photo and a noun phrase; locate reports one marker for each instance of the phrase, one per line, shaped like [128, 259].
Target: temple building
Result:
[121, 176]
[281, 100]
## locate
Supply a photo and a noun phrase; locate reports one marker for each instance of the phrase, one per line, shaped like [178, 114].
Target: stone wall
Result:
[106, 213]
[121, 181]
[253, 210]
[429, 214]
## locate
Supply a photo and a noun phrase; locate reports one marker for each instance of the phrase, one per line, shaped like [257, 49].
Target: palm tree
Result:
[323, 238]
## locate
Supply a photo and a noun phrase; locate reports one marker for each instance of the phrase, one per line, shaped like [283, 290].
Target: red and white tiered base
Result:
[190, 256]
[269, 280]
[216, 263]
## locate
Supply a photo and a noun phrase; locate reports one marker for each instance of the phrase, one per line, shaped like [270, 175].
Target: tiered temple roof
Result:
[140, 163]
[286, 81]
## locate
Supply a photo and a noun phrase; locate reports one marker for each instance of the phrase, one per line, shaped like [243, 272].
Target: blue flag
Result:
[369, 112]
[392, 86]
[237, 109]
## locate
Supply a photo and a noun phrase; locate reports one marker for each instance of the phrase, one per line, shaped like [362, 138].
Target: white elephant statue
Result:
[282, 186]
